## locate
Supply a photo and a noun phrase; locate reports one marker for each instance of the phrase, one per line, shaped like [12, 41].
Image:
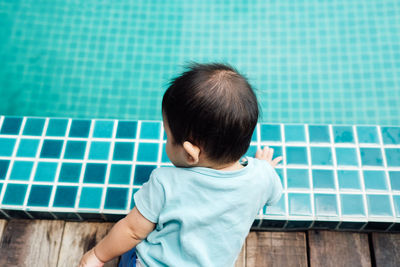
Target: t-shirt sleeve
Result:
[150, 199]
[275, 191]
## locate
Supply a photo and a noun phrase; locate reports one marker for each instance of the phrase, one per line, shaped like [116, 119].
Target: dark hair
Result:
[213, 107]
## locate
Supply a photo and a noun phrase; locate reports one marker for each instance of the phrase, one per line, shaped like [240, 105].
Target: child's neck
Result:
[226, 167]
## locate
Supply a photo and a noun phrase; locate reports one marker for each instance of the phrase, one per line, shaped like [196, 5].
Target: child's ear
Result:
[193, 153]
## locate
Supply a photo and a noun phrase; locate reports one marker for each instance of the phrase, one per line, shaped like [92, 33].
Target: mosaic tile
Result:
[116, 198]
[123, 151]
[318, 134]
[393, 175]
[11, 126]
[28, 148]
[65, 196]
[45, 172]
[349, 179]
[367, 135]
[297, 178]
[51, 149]
[79, 128]
[95, 173]
[147, 152]
[371, 157]
[323, 179]
[379, 205]
[375, 180]
[391, 135]
[90, 197]
[103, 129]
[343, 134]
[321, 156]
[7, 146]
[270, 132]
[346, 156]
[295, 133]
[120, 174]
[99, 150]
[150, 130]
[21, 170]
[70, 172]
[15, 194]
[393, 157]
[325, 205]
[75, 150]
[57, 127]
[296, 155]
[39, 195]
[126, 129]
[33, 127]
[352, 205]
[4, 168]
[299, 204]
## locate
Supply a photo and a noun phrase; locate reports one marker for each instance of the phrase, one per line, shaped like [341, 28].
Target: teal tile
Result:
[297, 178]
[396, 202]
[80, 128]
[251, 151]
[75, 150]
[91, 197]
[33, 126]
[120, 174]
[103, 129]
[349, 179]
[392, 157]
[296, 155]
[116, 198]
[277, 209]
[325, 205]
[352, 205]
[15, 194]
[164, 156]
[126, 129]
[323, 179]
[299, 204]
[277, 151]
[57, 127]
[321, 155]
[319, 134]
[70, 172]
[28, 148]
[95, 173]
[147, 152]
[150, 130]
[7, 146]
[51, 149]
[40, 195]
[367, 135]
[11, 125]
[343, 134]
[394, 179]
[65, 196]
[270, 132]
[375, 180]
[371, 157]
[4, 164]
[45, 172]
[391, 135]
[346, 156]
[279, 171]
[295, 133]
[254, 136]
[379, 205]
[99, 150]
[142, 173]
[21, 170]
[123, 151]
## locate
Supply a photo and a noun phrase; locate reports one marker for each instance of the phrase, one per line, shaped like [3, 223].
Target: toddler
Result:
[199, 212]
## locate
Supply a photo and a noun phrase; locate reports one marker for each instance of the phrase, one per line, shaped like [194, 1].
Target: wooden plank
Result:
[386, 249]
[328, 248]
[28, 243]
[3, 224]
[241, 260]
[276, 249]
[80, 237]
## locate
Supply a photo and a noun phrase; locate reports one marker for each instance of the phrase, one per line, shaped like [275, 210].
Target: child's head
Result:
[214, 108]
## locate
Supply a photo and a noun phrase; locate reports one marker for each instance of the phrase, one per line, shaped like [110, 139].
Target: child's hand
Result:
[266, 154]
[90, 260]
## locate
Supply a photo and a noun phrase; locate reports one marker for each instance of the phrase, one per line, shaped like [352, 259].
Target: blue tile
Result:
[352, 205]
[142, 173]
[323, 179]
[75, 150]
[6, 146]
[15, 194]
[65, 196]
[120, 174]
[164, 135]
[391, 135]
[147, 152]
[80, 128]
[103, 129]
[40, 195]
[277, 209]
[123, 151]
[126, 129]
[150, 130]
[91, 197]
[21, 170]
[299, 204]
[321, 155]
[254, 136]
[371, 157]
[343, 134]
[270, 132]
[45, 172]
[325, 205]
[28, 148]
[116, 198]
[164, 156]
[349, 179]
[277, 151]
[379, 205]
[251, 151]
[4, 168]
[11, 126]
[279, 171]
[393, 175]
[396, 202]
[295, 133]
[297, 178]
[51, 149]
[95, 173]
[346, 156]
[296, 155]
[392, 157]
[33, 126]
[375, 180]
[70, 172]
[99, 150]
[319, 134]
[367, 135]
[57, 127]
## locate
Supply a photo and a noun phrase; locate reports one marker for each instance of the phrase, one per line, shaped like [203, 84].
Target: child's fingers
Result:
[276, 161]
[258, 154]
[270, 153]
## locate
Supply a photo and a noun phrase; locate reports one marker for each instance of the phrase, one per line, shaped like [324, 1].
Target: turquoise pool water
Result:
[310, 61]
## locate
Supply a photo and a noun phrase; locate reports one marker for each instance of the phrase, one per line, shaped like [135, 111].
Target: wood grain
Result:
[80, 237]
[329, 248]
[276, 249]
[31, 243]
[387, 249]
[241, 260]
[3, 224]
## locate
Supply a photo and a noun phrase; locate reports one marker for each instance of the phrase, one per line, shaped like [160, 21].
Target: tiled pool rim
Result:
[342, 177]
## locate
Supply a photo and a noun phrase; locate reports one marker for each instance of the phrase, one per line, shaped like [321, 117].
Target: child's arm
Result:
[125, 235]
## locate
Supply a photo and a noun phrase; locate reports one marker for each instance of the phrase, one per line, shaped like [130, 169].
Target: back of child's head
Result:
[214, 107]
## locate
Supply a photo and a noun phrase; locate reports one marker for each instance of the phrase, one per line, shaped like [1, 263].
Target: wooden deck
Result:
[60, 243]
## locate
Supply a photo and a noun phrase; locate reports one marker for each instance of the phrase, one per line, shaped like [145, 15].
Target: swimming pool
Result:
[311, 61]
